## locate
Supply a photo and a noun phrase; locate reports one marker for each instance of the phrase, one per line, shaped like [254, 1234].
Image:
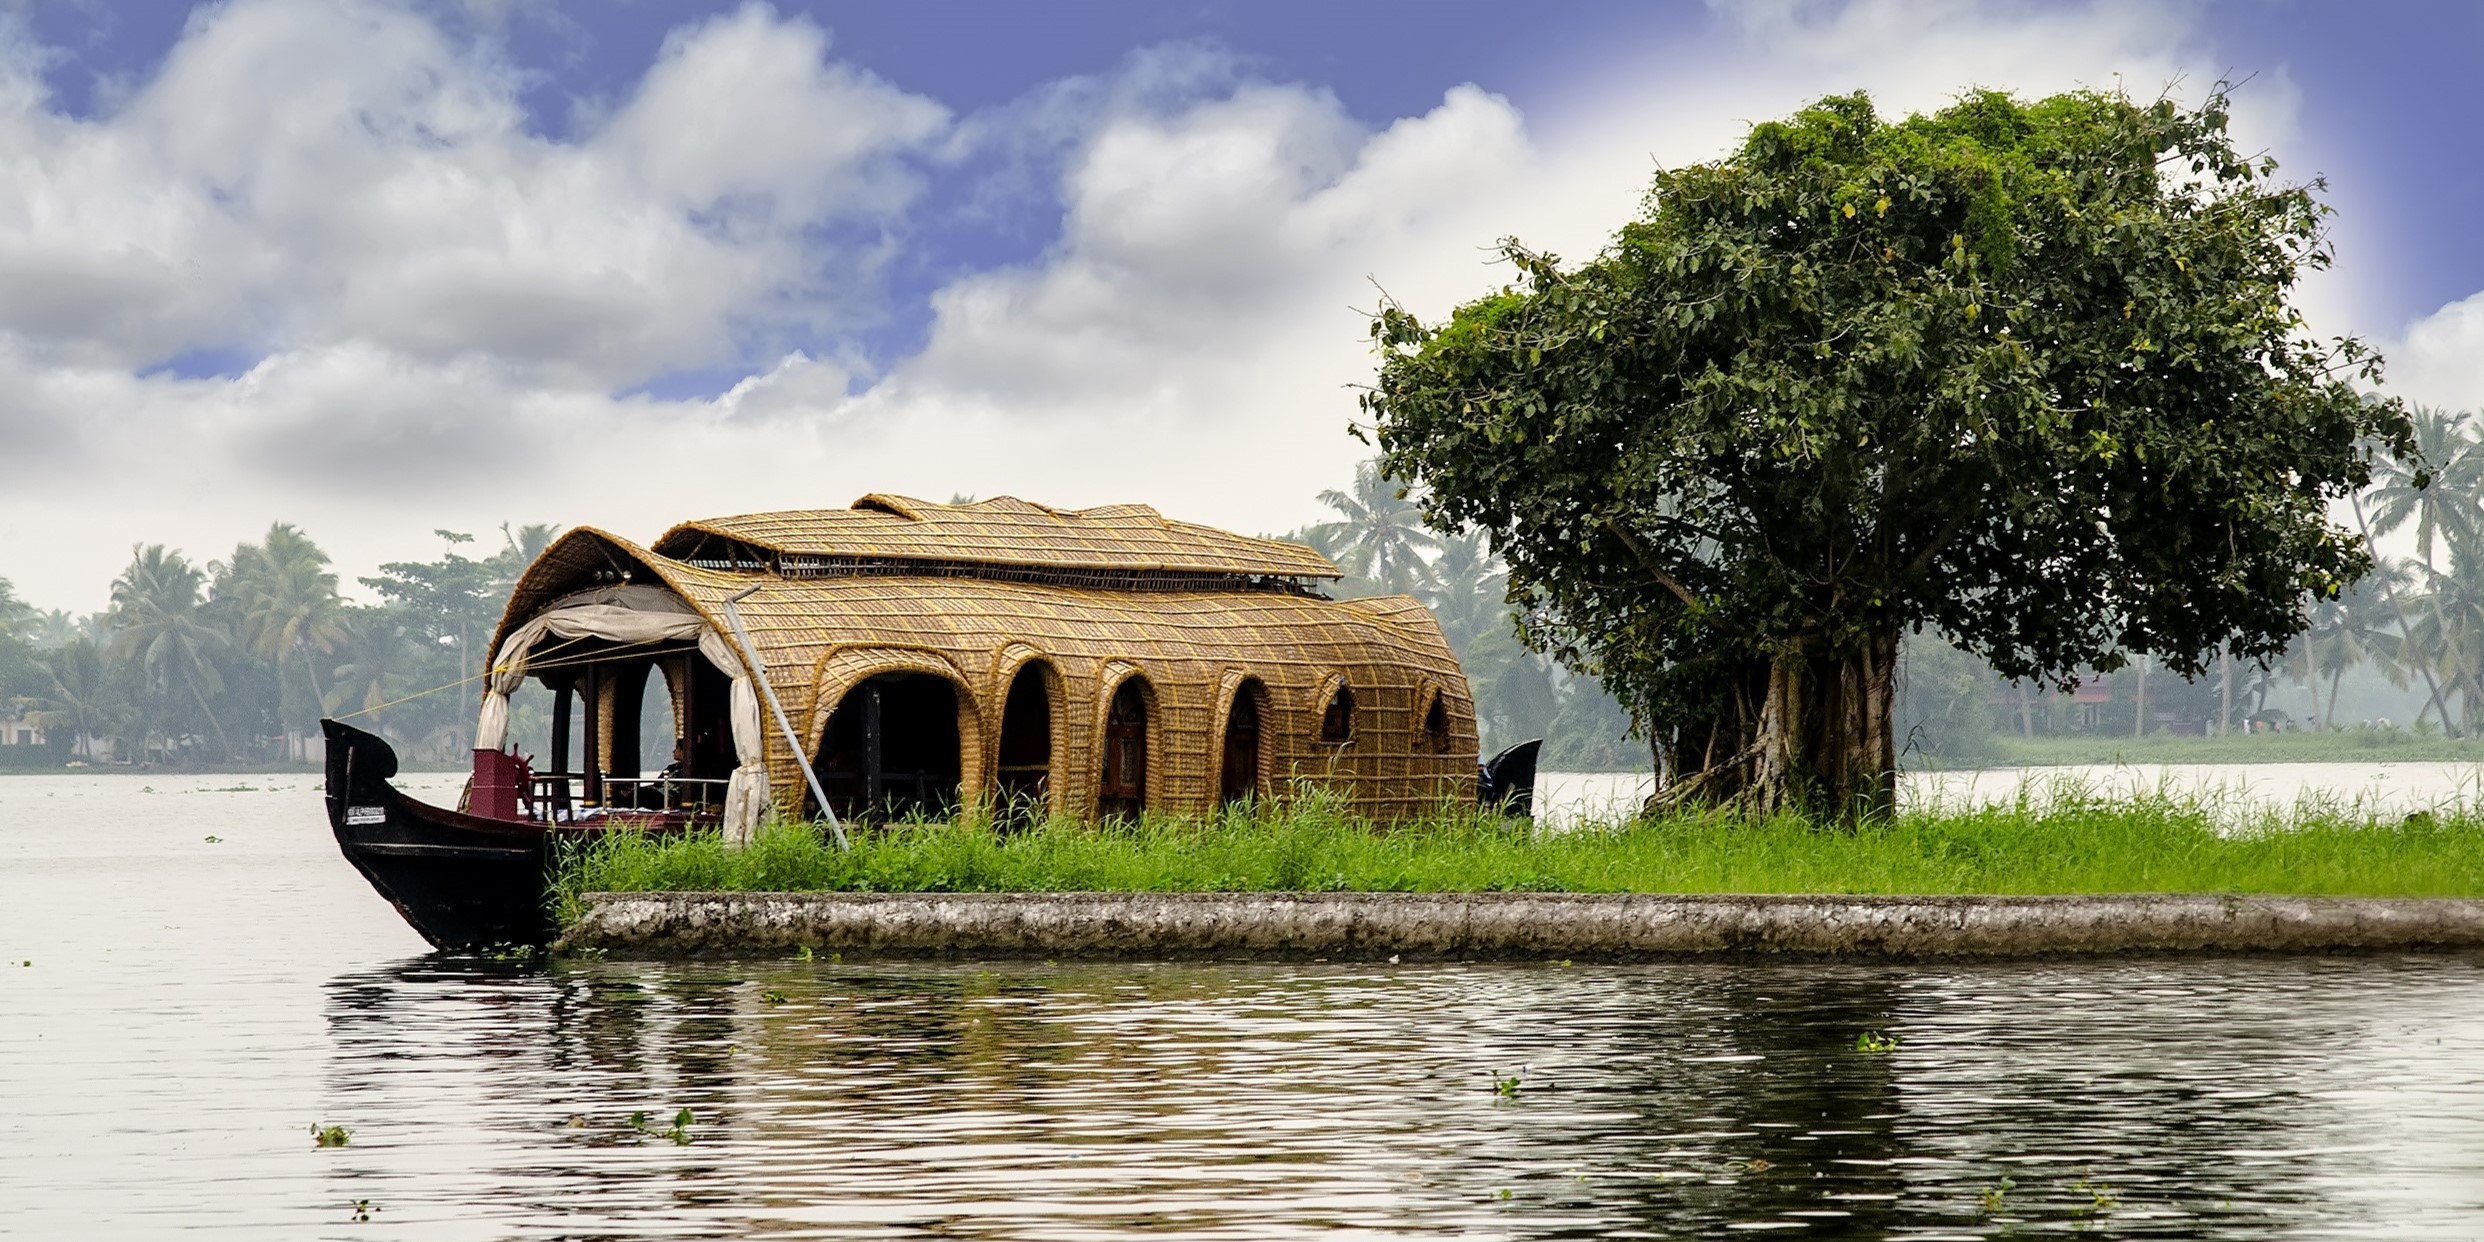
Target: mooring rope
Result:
[411, 697]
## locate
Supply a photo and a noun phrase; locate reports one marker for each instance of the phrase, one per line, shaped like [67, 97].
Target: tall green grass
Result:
[2068, 842]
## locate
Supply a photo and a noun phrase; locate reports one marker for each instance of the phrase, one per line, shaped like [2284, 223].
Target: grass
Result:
[2070, 841]
[2351, 745]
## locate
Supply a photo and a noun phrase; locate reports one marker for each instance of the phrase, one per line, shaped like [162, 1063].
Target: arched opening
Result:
[1022, 782]
[657, 735]
[1436, 725]
[890, 750]
[1122, 789]
[1337, 718]
[631, 714]
[624, 702]
[658, 731]
[1245, 753]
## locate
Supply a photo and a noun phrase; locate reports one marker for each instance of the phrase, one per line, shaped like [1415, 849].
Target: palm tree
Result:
[2351, 630]
[51, 628]
[17, 617]
[379, 659]
[2439, 488]
[156, 608]
[1468, 589]
[288, 610]
[1517, 691]
[82, 699]
[2450, 634]
[1378, 533]
[520, 548]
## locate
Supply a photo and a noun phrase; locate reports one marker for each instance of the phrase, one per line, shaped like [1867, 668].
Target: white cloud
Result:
[744, 114]
[2439, 359]
[1193, 337]
[306, 173]
[452, 303]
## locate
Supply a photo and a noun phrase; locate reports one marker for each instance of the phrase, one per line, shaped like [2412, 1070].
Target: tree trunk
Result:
[2225, 693]
[225, 744]
[2311, 675]
[1807, 733]
[2026, 711]
[2139, 711]
[319, 693]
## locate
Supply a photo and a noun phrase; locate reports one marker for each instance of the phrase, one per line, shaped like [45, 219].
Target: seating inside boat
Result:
[614, 709]
[640, 714]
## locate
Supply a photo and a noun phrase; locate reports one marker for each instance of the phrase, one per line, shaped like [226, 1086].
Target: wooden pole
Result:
[767, 693]
[592, 761]
[560, 728]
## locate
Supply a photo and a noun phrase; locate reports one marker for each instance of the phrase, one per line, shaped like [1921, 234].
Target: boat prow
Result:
[1507, 780]
[462, 881]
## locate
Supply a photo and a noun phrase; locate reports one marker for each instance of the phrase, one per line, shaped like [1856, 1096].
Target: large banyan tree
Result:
[2023, 373]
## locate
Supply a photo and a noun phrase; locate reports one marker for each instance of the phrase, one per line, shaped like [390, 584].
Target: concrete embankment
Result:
[1505, 926]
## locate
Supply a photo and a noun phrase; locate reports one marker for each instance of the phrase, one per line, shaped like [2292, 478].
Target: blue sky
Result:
[376, 268]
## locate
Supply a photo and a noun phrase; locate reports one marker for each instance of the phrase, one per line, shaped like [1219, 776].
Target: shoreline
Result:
[1486, 927]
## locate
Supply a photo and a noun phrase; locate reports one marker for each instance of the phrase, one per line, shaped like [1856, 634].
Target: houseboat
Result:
[902, 658]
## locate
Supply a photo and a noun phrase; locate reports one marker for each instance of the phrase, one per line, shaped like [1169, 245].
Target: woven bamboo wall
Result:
[822, 636]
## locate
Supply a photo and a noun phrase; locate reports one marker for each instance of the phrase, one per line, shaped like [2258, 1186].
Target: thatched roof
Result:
[1002, 531]
[1193, 647]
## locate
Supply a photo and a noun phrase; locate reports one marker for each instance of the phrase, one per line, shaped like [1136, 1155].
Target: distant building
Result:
[23, 744]
[2087, 703]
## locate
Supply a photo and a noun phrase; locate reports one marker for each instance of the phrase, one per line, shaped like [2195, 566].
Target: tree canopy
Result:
[2025, 373]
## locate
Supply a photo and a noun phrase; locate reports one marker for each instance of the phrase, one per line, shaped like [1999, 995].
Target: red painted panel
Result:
[499, 781]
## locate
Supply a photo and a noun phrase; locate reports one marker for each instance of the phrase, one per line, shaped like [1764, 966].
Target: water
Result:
[2366, 788]
[193, 1008]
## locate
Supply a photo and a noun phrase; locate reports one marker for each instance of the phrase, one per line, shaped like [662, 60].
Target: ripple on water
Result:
[196, 1007]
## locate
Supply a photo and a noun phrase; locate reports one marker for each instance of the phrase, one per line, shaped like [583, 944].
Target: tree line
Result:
[235, 660]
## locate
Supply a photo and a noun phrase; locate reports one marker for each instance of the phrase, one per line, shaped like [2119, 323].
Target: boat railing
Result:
[561, 797]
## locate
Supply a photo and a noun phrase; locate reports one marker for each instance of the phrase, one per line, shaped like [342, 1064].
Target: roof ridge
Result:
[1003, 531]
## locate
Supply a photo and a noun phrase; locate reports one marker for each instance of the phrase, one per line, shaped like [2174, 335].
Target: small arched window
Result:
[1337, 719]
[1122, 785]
[1436, 726]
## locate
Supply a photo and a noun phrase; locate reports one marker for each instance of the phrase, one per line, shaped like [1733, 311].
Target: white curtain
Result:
[638, 614]
[746, 799]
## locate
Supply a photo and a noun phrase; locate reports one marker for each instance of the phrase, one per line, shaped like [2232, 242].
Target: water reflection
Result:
[208, 977]
[2181, 1099]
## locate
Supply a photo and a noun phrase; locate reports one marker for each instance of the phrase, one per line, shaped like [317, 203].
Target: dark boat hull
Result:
[460, 880]
[1507, 780]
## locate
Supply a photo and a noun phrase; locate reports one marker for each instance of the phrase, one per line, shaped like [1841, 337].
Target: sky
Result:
[383, 269]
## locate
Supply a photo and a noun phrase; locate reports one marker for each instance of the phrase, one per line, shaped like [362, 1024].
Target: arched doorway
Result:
[1022, 780]
[1121, 790]
[1244, 749]
[890, 750]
